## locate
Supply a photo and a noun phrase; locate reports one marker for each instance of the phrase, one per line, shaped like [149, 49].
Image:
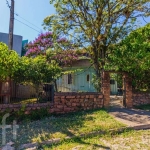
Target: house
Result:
[80, 80]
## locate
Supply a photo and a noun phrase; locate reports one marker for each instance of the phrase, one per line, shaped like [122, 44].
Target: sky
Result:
[34, 11]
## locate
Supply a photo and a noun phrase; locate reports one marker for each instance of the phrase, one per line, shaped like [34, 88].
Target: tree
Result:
[55, 48]
[133, 56]
[36, 71]
[8, 62]
[8, 65]
[96, 24]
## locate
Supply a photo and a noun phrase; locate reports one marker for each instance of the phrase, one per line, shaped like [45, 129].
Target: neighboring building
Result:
[17, 41]
[24, 43]
[80, 81]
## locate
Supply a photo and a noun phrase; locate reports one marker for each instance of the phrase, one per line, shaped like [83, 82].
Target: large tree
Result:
[96, 24]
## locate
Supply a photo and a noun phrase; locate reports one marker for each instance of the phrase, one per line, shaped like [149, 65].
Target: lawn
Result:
[24, 101]
[129, 140]
[61, 126]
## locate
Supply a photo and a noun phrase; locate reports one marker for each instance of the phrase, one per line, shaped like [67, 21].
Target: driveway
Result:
[130, 117]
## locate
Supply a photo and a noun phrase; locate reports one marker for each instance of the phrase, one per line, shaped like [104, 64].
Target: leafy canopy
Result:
[36, 70]
[133, 55]
[56, 49]
[8, 61]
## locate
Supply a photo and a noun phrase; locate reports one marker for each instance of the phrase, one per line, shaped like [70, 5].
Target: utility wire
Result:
[23, 19]
[26, 20]
[26, 25]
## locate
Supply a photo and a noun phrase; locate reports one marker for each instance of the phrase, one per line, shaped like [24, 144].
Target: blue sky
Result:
[33, 11]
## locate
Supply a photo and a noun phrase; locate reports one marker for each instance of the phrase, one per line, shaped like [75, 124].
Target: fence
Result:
[14, 93]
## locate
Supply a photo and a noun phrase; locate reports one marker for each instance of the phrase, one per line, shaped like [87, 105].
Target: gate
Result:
[127, 89]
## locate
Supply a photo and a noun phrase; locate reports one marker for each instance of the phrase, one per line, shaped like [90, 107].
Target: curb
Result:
[58, 140]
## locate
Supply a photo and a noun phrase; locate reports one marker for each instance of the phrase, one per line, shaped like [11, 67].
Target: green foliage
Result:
[8, 61]
[144, 107]
[96, 82]
[20, 115]
[36, 70]
[133, 55]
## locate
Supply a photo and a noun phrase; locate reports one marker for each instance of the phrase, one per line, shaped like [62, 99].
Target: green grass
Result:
[61, 126]
[144, 107]
[24, 101]
[132, 140]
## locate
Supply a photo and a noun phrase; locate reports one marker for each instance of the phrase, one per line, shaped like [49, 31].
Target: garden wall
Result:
[140, 98]
[63, 103]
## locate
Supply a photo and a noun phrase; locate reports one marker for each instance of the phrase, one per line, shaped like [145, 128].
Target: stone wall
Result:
[63, 103]
[140, 98]
[70, 102]
[28, 107]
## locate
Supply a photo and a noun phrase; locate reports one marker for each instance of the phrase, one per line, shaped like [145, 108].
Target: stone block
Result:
[83, 96]
[74, 104]
[81, 100]
[100, 96]
[68, 104]
[91, 96]
[60, 106]
[87, 96]
[67, 109]
[70, 96]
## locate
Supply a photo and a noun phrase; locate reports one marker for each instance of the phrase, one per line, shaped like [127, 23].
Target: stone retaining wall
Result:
[70, 102]
[140, 98]
[63, 103]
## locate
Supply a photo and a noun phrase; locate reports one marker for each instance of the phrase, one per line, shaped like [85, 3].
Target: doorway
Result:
[117, 90]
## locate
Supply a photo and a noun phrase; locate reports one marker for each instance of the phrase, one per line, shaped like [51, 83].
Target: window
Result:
[88, 77]
[69, 78]
[112, 81]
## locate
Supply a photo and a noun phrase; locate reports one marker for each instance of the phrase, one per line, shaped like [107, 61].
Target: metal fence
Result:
[14, 93]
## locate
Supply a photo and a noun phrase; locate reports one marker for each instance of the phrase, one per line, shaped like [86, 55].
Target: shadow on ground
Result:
[136, 116]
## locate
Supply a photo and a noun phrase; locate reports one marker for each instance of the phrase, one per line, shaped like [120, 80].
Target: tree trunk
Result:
[37, 92]
[98, 76]
[55, 83]
[6, 92]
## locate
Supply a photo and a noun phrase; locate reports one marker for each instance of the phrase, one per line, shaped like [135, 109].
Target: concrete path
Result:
[130, 117]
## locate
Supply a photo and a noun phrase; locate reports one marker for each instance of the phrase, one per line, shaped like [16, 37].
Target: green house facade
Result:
[80, 80]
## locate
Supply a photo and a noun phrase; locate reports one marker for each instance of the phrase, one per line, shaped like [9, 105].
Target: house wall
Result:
[79, 79]
[79, 82]
[17, 41]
